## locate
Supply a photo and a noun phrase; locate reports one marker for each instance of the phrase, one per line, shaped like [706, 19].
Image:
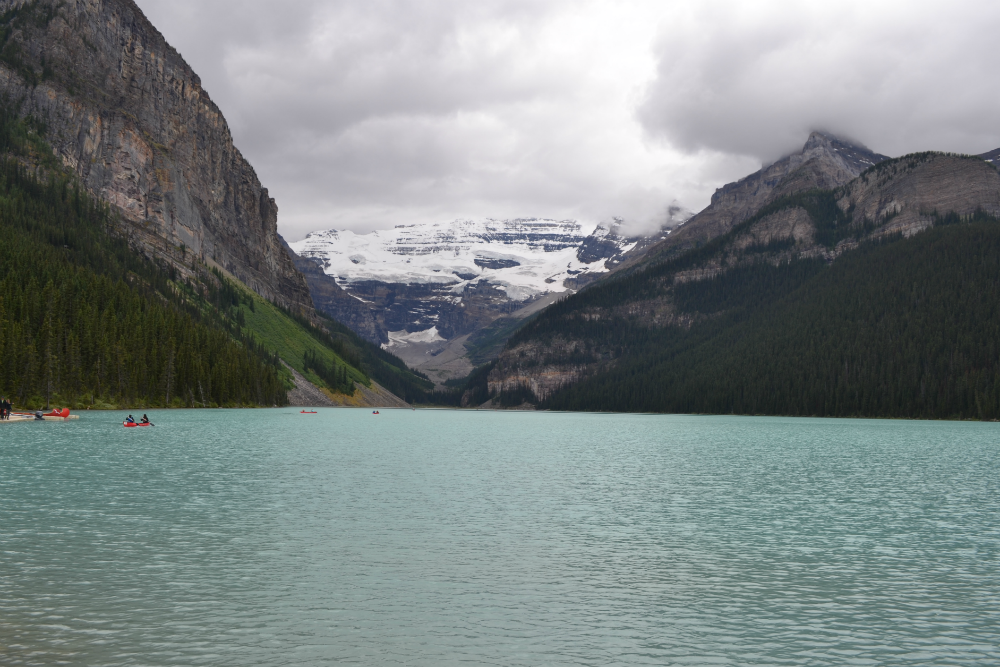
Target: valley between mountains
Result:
[143, 267]
[443, 296]
[719, 314]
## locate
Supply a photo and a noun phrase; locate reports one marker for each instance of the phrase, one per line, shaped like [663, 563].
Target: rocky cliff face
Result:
[904, 195]
[824, 162]
[122, 109]
[538, 368]
[329, 298]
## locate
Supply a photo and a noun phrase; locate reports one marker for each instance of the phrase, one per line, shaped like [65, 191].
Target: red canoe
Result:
[311, 412]
[127, 425]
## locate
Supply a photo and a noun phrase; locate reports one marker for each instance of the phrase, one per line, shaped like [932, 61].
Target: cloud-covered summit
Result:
[363, 115]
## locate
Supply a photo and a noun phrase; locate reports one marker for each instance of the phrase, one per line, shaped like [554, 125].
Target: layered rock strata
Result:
[905, 195]
[824, 162]
[122, 109]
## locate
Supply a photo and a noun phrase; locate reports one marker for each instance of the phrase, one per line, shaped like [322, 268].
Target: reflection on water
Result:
[475, 538]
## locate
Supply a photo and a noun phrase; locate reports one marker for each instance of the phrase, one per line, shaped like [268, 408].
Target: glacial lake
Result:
[487, 538]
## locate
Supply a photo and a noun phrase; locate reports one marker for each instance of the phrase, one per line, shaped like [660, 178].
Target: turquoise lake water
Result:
[479, 538]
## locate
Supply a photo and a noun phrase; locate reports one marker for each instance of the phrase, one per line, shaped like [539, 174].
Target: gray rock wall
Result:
[824, 162]
[903, 195]
[125, 112]
[329, 298]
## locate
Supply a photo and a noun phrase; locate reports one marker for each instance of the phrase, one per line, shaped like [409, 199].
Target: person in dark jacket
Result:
[5, 408]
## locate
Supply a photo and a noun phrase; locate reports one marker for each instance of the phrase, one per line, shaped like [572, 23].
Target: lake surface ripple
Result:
[476, 538]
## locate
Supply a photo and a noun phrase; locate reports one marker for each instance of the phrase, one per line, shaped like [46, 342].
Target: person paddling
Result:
[129, 420]
[145, 419]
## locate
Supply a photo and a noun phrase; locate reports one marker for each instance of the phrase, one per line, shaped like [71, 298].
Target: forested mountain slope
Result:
[876, 298]
[325, 353]
[88, 320]
[96, 103]
[903, 328]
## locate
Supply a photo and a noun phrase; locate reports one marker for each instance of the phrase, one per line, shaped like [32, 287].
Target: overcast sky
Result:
[364, 114]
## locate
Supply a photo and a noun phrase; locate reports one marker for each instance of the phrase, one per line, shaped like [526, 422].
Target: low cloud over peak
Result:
[755, 78]
[363, 115]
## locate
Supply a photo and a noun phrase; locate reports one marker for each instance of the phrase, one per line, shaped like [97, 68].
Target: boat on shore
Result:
[19, 417]
[54, 415]
[58, 415]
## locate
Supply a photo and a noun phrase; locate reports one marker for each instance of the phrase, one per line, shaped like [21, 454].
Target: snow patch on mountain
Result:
[406, 338]
[524, 257]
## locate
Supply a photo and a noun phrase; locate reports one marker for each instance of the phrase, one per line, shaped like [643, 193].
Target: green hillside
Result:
[384, 367]
[293, 339]
[333, 357]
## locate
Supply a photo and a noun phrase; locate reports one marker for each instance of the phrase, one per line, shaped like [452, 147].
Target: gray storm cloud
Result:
[755, 78]
[363, 115]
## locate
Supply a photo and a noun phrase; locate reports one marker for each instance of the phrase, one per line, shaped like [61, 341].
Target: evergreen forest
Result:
[896, 328]
[87, 321]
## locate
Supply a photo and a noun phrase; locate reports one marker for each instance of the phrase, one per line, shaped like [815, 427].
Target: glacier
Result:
[523, 257]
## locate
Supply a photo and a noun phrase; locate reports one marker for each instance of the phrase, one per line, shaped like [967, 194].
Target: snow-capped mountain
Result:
[435, 289]
[525, 258]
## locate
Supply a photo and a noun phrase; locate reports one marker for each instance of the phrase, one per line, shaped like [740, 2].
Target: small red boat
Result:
[308, 412]
[131, 424]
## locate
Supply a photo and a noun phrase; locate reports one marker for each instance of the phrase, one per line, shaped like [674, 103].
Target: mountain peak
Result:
[817, 139]
[524, 257]
[856, 157]
[825, 161]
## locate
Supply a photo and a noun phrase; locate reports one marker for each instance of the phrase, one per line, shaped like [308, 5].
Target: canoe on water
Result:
[308, 412]
[133, 424]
